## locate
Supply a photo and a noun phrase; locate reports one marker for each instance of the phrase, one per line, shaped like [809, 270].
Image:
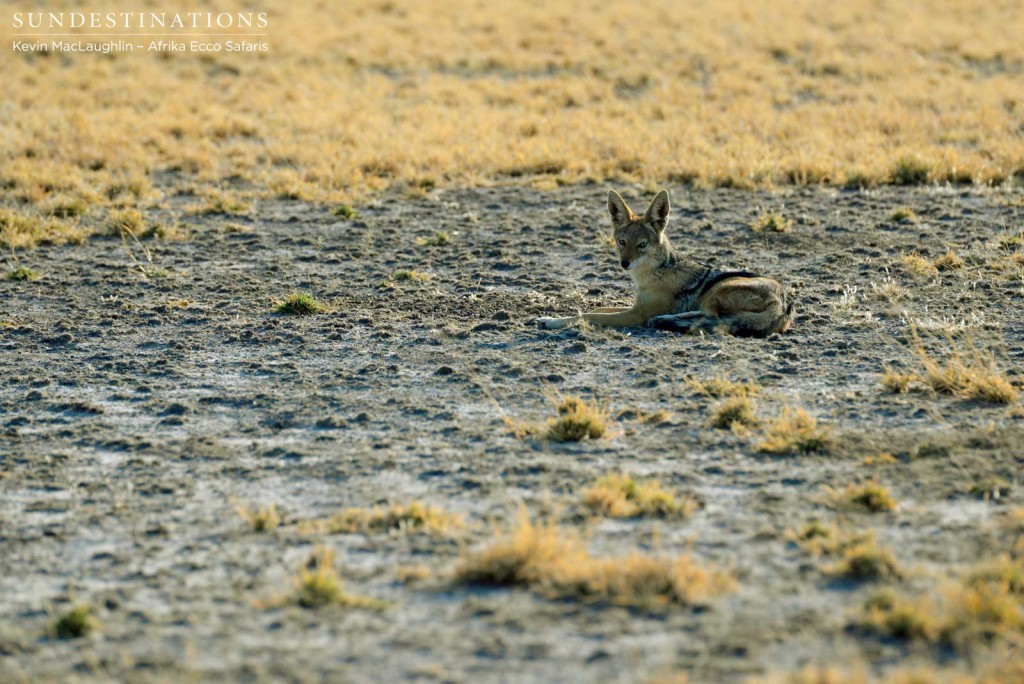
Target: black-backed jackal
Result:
[677, 293]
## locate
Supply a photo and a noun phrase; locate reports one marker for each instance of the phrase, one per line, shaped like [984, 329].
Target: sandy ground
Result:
[133, 426]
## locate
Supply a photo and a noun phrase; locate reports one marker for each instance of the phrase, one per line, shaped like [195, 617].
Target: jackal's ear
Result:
[619, 210]
[657, 213]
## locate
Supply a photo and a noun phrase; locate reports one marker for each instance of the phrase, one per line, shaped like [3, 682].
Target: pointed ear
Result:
[657, 213]
[619, 210]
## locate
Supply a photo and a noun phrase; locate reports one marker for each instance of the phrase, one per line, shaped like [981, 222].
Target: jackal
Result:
[675, 292]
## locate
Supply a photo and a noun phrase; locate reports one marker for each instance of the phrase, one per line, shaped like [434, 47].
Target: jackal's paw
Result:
[549, 323]
[661, 321]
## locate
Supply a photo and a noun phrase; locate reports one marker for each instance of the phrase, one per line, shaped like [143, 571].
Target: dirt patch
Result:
[139, 413]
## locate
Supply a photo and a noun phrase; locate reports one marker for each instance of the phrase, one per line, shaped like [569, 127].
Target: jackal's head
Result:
[642, 240]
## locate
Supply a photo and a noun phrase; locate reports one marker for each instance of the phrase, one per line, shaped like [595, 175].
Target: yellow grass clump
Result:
[919, 266]
[796, 432]
[771, 222]
[985, 605]
[577, 420]
[553, 562]
[720, 386]
[620, 496]
[897, 382]
[415, 517]
[865, 561]
[869, 496]
[734, 413]
[260, 518]
[318, 585]
[968, 373]
[849, 555]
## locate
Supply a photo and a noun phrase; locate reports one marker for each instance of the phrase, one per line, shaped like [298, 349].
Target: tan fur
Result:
[674, 292]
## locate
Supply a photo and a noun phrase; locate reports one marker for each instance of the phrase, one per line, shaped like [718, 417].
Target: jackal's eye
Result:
[622, 242]
[641, 245]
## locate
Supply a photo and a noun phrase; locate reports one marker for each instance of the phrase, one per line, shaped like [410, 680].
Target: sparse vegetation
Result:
[897, 382]
[436, 240]
[771, 222]
[299, 304]
[720, 386]
[217, 202]
[128, 221]
[889, 290]
[869, 496]
[553, 562]
[621, 496]
[318, 585]
[949, 262]
[865, 561]
[910, 170]
[984, 606]
[796, 432]
[969, 374]
[74, 624]
[411, 574]
[23, 273]
[917, 265]
[847, 555]
[415, 517]
[66, 207]
[406, 276]
[733, 413]
[346, 212]
[577, 420]
[903, 215]
[260, 518]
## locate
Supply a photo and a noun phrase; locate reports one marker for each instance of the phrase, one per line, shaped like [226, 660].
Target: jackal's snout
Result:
[624, 263]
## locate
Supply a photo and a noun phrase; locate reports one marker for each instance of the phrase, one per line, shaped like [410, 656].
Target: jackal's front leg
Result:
[608, 316]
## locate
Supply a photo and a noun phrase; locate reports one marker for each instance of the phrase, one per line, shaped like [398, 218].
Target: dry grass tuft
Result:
[869, 496]
[889, 291]
[721, 386]
[577, 420]
[128, 221]
[985, 605]
[734, 413]
[771, 222]
[850, 555]
[299, 304]
[865, 561]
[969, 374]
[405, 276]
[896, 382]
[260, 518]
[436, 240]
[796, 432]
[620, 496]
[903, 215]
[910, 170]
[917, 265]
[25, 231]
[318, 585]
[949, 262]
[553, 562]
[74, 624]
[23, 274]
[412, 574]
[415, 517]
